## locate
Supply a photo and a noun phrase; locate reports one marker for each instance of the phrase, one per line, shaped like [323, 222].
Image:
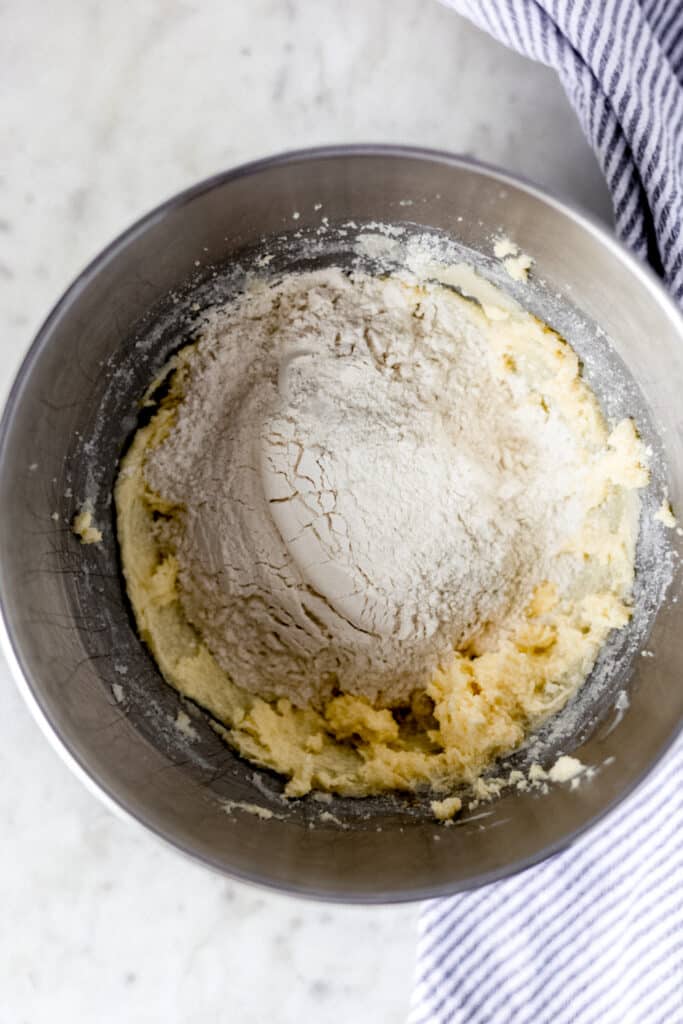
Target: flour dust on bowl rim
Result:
[68, 630]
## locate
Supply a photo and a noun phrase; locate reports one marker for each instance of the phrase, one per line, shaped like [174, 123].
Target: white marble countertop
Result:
[106, 110]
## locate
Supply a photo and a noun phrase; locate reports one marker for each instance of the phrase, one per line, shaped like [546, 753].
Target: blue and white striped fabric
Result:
[594, 935]
[621, 65]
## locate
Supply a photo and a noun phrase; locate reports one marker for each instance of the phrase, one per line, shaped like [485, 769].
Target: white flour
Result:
[361, 492]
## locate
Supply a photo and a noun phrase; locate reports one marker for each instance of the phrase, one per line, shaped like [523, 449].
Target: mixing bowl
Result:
[69, 633]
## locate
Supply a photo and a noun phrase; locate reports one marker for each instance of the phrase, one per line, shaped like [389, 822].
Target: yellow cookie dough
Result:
[84, 527]
[481, 701]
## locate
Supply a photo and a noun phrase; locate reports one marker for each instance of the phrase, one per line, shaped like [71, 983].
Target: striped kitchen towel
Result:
[592, 936]
[595, 934]
[621, 65]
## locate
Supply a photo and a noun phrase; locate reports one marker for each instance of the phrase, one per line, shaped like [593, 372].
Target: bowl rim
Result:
[11, 649]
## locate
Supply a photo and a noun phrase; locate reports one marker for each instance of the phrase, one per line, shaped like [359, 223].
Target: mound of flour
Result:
[360, 490]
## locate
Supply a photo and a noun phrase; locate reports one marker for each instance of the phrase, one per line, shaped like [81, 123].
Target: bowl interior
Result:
[76, 404]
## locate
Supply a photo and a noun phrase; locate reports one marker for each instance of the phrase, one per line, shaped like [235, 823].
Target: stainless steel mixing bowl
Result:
[69, 632]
